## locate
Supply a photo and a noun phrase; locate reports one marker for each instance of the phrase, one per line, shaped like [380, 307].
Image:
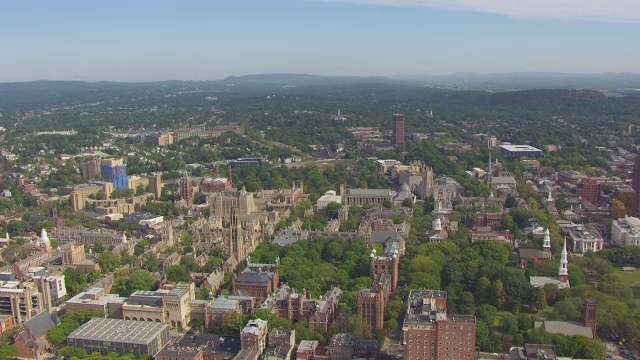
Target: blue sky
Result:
[146, 40]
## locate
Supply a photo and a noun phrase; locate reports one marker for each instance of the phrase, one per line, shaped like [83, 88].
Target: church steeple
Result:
[563, 271]
[546, 245]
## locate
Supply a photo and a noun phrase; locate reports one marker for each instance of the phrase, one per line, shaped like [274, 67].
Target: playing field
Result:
[631, 279]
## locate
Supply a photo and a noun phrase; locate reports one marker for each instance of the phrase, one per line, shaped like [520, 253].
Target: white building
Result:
[626, 231]
[585, 239]
[328, 198]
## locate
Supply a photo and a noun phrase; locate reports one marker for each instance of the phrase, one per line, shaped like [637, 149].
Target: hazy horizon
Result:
[160, 40]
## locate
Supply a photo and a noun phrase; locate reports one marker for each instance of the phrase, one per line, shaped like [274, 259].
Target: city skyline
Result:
[149, 41]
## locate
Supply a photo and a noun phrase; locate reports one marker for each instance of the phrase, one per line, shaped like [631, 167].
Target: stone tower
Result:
[591, 315]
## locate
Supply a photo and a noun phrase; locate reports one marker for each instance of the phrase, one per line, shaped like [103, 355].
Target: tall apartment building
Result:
[155, 185]
[120, 179]
[79, 194]
[589, 189]
[52, 288]
[254, 335]
[22, 300]
[398, 129]
[430, 334]
[107, 167]
[91, 169]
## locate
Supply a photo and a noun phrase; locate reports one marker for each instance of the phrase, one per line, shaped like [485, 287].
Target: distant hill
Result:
[305, 79]
[528, 80]
[545, 96]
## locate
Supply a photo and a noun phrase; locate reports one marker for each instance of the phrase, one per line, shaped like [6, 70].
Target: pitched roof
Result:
[567, 328]
[40, 324]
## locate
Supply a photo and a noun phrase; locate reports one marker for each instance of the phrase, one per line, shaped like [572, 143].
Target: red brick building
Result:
[398, 129]
[372, 302]
[255, 283]
[254, 335]
[589, 189]
[31, 339]
[6, 323]
[430, 334]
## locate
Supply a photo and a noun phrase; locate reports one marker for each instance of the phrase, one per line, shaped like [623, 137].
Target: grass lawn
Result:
[631, 279]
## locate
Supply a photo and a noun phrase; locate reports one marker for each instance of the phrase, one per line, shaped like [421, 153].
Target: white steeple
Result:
[124, 238]
[438, 224]
[44, 236]
[549, 198]
[563, 270]
[546, 245]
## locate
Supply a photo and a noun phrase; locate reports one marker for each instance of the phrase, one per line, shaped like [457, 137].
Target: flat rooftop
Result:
[517, 148]
[116, 330]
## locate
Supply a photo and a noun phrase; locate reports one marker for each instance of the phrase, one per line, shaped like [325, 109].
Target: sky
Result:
[147, 40]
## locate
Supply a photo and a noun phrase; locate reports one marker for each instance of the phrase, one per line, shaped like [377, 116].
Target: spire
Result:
[563, 271]
[44, 237]
[438, 224]
[546, 245]
[549, 198]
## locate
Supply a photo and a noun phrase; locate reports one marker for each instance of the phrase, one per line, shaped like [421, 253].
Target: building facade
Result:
[626, 231]
[398, 129]
[120, 336]
[430, 334]
[254, 335]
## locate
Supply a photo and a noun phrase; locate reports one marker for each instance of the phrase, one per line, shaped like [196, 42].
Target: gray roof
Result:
[246, 354]
[252, 277]
[178, 353]
[121, 331]
[40, 324]
[381, 237]
[211, 343]
[567, 328]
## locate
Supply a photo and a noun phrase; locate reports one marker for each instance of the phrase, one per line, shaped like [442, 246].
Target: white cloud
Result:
[597, 10]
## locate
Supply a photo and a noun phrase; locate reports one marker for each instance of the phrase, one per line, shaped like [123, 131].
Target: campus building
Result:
[120, 336]
[430, 334]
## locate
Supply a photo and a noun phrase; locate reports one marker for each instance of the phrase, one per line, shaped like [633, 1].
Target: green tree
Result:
[499, 295]
[509, 324]
[129, 280]
[466, 303]
[74, 280]
[178, 273]
[98, 247]
[540, 299]
[486, 313]
[108, 261]
[525, 322]
[8, 352]
[331, 210]
[233, 322]
[68, 352]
